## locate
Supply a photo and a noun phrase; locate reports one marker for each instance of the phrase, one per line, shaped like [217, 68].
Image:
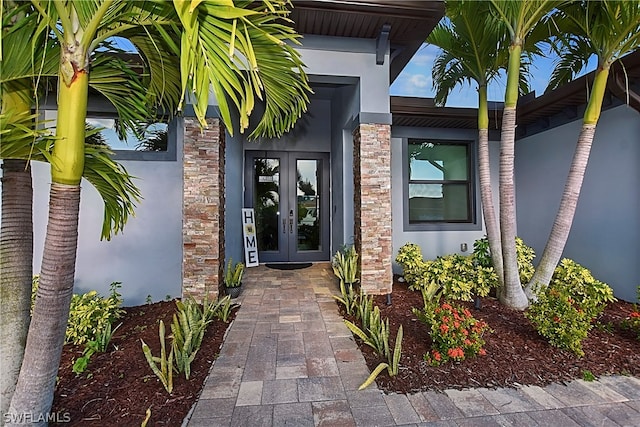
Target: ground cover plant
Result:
[453, 339]
[118, 387]
[514, 351]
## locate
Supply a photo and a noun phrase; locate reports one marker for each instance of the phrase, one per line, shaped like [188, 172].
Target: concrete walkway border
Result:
[289, 360]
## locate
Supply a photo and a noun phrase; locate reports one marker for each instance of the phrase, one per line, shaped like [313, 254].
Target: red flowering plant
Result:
[455, 334]
[633, 320]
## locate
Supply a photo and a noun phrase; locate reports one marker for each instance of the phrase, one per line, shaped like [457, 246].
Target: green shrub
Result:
[455, 333]
[459, 277]
[525, 256]
[590, 294]
[524, 253]
[35, 281]
[565, 310]
[90, 315]
[410, 259]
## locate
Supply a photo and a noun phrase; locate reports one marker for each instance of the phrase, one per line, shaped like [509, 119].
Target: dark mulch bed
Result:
[118, 386]
[516, 354]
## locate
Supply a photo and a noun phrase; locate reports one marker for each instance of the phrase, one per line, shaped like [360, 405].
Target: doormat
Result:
[290, 266]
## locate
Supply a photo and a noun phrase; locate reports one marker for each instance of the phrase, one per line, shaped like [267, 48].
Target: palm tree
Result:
[16, 258]
[608, 29]
[523, 19]
[240, 50]
[21, 143]
[469, 52]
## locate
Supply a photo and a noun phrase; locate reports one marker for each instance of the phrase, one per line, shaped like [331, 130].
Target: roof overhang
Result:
[535, 114]
[410, 22]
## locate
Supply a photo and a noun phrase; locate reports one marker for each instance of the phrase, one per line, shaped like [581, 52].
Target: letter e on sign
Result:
[249, 238]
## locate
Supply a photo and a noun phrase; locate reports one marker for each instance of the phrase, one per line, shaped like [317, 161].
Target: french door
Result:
[289, 192]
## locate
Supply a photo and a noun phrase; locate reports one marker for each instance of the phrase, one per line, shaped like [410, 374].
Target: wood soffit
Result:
[411, 22]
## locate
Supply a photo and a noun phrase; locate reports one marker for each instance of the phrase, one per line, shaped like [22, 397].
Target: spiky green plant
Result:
[188, 327]
[233, 274]
[345, 265]
[165, 371]
[392, 365]
[348, 297]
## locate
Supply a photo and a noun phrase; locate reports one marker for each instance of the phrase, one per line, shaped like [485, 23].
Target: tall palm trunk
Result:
[34, 392]
[564, 218]
[16, 255]
[16, 271]
[486, 193]
[513, 295]
[36, 384]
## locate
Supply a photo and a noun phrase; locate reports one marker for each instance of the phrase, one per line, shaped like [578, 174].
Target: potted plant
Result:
[233, 278]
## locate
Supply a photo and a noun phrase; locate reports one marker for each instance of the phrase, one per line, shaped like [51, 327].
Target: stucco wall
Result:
[606, 229]
[147, 256]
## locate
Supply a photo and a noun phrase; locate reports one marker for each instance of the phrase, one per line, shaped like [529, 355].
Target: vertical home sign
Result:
[250, 241]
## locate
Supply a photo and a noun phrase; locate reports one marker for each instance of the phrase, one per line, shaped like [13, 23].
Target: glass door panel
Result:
[266, 202]
[308, 204]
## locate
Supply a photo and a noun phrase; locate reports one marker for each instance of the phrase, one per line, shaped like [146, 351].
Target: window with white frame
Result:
[439, 185]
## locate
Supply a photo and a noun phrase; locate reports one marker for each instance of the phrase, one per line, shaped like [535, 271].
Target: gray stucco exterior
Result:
[350, 89]
[606, 229]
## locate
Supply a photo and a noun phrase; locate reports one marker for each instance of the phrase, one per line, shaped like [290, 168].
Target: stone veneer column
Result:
[203, 208]
[372, 205]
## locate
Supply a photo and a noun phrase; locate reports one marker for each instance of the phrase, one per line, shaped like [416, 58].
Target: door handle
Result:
[291, 221]
[284, 226]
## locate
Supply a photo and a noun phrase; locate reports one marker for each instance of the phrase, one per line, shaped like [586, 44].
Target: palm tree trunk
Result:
[16, 272]
[486, 193]
[564, 218]
[34, 392]
[36, 383]
[16, 251]
[513, 295]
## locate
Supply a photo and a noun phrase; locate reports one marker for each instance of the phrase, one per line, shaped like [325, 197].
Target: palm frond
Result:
[574, 58]
[608, 29]
[115, 186]
[114, 79]
[28, 51]
[20, 140]
[472, 49]
[241, 50]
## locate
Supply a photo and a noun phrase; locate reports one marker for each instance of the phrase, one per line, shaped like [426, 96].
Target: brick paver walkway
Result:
[288, 360]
